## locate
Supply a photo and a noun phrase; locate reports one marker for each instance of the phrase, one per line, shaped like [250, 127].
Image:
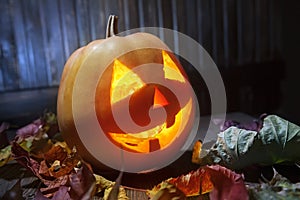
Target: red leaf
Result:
[227, 184]
[23, 158]
[194, 183]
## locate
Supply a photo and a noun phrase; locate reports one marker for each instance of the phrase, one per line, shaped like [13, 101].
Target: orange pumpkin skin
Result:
[108, 48]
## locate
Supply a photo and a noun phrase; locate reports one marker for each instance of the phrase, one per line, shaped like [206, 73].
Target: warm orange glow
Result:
[170, 68]
[159, 99]
[124, 83]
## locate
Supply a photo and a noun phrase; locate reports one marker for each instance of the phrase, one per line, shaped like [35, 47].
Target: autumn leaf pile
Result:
[63, 174]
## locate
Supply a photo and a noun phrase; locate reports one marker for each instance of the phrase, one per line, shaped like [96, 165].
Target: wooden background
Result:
[242, 36]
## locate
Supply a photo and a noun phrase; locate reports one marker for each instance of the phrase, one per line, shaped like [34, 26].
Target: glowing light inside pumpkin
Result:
[159, 99]
[157, 137]
[170, 68]
[124, 88]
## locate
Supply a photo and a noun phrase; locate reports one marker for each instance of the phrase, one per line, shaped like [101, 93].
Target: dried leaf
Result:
[55, 153]
[82, 183]
[5, 155]
[227, 184]
[168, 191]
[66, 166]
[50, 124]
[192, 184]
[62, 193]
[277, 188]
[44, 169]
[104, 185]
[40, 146]
[52, 186]
[29, 130]
[121, 195]
[22, 157]
[276, 142]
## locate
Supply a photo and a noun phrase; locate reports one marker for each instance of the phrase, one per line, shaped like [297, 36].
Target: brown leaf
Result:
[55, 153]
[40, 146]
[5, 155]
[44, 169]
[66, 166]
[54, 185]
[227, 184]
[82, 183]
[61, 193]
[23, 158]
[194, 183]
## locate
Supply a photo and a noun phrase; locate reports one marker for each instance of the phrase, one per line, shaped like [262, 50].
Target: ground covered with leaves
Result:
[257, 161]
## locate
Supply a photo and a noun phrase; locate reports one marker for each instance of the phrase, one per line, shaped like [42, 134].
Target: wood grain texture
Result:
[37, 37]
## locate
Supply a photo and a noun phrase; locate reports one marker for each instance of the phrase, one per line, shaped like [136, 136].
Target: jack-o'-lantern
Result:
[135, 91]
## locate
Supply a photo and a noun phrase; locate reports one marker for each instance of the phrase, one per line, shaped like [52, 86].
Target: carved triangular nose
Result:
[158, 99]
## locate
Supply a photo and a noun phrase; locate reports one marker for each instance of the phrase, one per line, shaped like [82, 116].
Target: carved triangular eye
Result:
[171, 70]
[124, 82]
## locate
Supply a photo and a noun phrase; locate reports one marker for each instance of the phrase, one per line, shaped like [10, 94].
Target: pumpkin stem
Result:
[112, 26]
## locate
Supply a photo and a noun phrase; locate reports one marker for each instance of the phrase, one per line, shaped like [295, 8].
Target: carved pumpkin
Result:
[138, 77]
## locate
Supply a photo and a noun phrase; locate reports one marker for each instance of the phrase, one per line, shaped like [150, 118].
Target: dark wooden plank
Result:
[82, 21]
[51, 26]
[246, 31]
[192, 19]
[68, 26]
[141, 17]
[174, 7]
[131, 17]
[217, 31]
[8, 68]
[167, 14]
[160, 19]
[97, 19]
[275, 27]
[150, 13]
[261, 30]
[34, 43]
[205, 25]
[166, 21]
[20, 42]
[229, 30]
